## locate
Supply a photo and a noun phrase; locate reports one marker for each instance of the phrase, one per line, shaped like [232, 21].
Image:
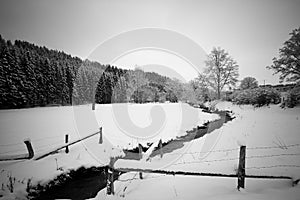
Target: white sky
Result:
[251, 31]
[161, 62]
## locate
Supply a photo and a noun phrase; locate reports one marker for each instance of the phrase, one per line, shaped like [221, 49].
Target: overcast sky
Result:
[251, 31]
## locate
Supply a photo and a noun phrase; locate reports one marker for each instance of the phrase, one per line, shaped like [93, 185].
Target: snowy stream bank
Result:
[46, 127]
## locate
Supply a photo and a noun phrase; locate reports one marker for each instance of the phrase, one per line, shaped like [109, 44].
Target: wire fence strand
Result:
[272, 166]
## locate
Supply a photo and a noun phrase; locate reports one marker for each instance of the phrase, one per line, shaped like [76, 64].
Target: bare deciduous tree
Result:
[221, 70]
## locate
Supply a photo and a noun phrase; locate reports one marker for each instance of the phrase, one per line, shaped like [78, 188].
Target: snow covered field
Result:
[271, 135]
[124, 126]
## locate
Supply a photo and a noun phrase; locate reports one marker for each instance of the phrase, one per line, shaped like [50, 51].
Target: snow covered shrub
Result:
[293, 97]
[243, 97]
[227, 96]
[257, 96]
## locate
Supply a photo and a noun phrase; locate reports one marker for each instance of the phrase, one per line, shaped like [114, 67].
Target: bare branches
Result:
[221, 70]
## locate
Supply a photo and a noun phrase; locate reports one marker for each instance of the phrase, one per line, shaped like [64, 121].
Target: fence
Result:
[28, 155]
[17, 155]
[240, 175]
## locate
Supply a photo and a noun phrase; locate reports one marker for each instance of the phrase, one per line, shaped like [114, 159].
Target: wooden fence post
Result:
[67, 141]
[93, 105]
[160, 148]
[100, 137]
[140, 151]
[29, 148]
[295, 182]
[241, 170]
[140, 157]
[110, 177]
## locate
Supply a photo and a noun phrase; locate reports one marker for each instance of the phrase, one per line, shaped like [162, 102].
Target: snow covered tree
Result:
[288, 63]
[221, 70]
[69, 82]
[136, 80]
[174, 90]
[119, 91]
[4, 80]
[248, 83]
[201, 87]
[31, 83]
[80, 87]
[100, 91]
[188, 93]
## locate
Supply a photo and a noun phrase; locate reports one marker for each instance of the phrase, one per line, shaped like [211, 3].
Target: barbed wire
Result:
[205, 161]
[233, 149]
[11, 144]
[272, 155]
[14, 151]
[204, 152]
[273, 147]
[272, 166]
[46, 147]
[123, 190]
[144, 178]
[230, 159]
[48, 138]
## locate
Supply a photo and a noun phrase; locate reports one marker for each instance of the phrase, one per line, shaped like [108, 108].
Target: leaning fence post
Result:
[67, 141]
[241, 170]
[160, 148]
[100, 137]
[110, 177]
[29, 148]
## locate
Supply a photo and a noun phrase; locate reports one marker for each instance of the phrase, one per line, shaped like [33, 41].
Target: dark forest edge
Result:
[32, 76]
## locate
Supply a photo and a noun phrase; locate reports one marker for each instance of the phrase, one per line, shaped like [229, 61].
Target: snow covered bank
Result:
[131, 124]
[161, 187]
[271, 135]
[46, 127]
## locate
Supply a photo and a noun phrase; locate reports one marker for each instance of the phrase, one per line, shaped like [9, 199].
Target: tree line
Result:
[31, 75]
[35, 76]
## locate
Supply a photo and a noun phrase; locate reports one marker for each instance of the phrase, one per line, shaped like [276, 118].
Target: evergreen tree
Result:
[5, 78]
[69, 82]
[30, 84]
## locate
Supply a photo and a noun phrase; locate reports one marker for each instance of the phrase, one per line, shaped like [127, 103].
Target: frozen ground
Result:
[124, 126]
[271, 135]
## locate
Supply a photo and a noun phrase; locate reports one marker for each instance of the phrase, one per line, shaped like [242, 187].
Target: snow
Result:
[163, 187]
[46, 128]
[132, 124]
[271, 136]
